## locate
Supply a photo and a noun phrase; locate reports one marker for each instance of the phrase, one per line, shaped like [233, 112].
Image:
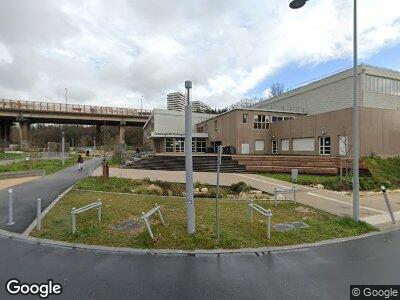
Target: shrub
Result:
[240, 187]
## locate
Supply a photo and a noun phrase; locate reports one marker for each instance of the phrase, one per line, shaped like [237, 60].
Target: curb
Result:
[21, 174]
[257, 251]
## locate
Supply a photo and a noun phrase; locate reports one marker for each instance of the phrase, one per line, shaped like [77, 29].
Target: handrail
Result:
[23, 105]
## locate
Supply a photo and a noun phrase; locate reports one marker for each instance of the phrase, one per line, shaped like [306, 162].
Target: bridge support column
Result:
[5, 131]
[122, 133]
[98, 135]
[25, 135]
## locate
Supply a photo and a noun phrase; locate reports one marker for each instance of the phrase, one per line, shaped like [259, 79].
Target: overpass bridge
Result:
[27, 113]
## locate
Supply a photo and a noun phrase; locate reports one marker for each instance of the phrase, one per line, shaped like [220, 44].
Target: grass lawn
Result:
[329, 182]
[236, 230]
[9, 156]
[50, 166]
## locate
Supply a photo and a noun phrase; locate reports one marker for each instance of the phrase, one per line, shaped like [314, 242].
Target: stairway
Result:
[318, 165]
[177, 163]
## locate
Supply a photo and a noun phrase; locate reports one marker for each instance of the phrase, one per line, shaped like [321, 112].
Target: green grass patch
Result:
[10, 156]
[156, 187]
[50, 166]
[236, 230]
[329, 182]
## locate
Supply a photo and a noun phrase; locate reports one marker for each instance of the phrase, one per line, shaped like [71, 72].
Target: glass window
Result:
[261, 122]
[274, 147]
[206, 128]
[201, 145]
[259, 145]
[216, 125]
[169, 145]
[245, 116]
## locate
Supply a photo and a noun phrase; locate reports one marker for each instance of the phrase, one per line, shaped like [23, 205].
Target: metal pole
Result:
[62, 148]
[251, 211]
[269, 227]
[39, 214]
[385, 196]
[73, 220]
[276, 197]
[99, 212]
[219, 158]
[66, 99]
[189, 161]
[356, 141]
[10, 208]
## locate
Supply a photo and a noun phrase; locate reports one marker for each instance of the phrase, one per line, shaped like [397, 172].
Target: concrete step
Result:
[293, 164]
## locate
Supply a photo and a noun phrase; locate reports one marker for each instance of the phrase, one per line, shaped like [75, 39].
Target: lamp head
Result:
[295, 4]
[188, 84]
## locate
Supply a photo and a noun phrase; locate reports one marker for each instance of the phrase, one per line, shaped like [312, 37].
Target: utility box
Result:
[295, 175]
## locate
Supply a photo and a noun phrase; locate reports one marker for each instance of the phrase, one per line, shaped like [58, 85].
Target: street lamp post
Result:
[189, 161]
[63, 148]
[295, 4]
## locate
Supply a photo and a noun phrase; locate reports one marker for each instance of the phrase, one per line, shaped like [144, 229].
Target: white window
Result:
[303, 144]
[325, 145]
[285, 145]
[343, 145]
[245, 148]
[259, 145]
[261, 122]
[274, 147]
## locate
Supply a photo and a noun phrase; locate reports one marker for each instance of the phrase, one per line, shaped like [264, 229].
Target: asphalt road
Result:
[324, 272]
[47, 188]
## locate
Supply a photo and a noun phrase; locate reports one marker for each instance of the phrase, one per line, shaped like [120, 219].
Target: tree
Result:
[276, 89]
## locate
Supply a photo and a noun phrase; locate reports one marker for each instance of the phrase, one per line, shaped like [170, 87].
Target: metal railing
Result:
[22, 105]
[265, 212]
[76, 211]
[145, 218]
[278, 191]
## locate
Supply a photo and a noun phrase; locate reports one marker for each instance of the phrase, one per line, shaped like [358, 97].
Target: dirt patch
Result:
[133, 226]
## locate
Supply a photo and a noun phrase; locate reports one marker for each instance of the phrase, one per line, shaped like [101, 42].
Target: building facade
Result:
[198, 106]
[176, 101]
[164, 131]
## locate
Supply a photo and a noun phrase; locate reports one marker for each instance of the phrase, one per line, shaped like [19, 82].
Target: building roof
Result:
[363, 68]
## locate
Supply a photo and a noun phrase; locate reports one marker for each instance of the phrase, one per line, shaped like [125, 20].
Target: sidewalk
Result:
[372, 210]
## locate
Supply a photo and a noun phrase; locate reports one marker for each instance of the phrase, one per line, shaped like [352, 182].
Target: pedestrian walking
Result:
[80, 162]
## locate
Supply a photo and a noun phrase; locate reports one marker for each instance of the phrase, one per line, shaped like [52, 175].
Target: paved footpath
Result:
[46, 188]
[324, 272]
[372, 209]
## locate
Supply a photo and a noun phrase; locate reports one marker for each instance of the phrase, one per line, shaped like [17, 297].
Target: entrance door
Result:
[325, 145]
[343, 145]
[180, 145]
[274, 147]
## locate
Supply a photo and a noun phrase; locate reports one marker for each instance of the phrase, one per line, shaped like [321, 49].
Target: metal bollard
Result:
[276, 198]
[294, 194]
[39, 214]
[385, 196]
[251, 212]
[99, 212]
[10, 208]
[73, 220]
[269, 227]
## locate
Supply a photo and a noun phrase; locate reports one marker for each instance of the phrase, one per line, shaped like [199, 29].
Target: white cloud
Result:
[114, 52]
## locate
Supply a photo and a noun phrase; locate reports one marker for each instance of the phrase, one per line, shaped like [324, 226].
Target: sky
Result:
[113, 53]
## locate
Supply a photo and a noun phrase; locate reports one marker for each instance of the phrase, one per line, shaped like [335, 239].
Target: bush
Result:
[240, 187]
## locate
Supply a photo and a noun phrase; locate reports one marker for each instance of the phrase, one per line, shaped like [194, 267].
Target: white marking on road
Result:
[346, 203]
[264, 181]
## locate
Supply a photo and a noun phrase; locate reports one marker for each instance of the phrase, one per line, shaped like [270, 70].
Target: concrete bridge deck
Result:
[31, 112]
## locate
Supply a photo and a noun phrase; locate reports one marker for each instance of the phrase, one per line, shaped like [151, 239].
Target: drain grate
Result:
[281, 227]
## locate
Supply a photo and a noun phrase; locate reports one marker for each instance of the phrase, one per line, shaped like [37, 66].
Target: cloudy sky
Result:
[114, 52]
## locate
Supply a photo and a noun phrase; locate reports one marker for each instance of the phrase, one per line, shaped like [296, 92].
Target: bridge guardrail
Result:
[70, 108]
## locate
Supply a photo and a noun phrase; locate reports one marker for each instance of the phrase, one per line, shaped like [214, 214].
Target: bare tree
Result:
[276, 89]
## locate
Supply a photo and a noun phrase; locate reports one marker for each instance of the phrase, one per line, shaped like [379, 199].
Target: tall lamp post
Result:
[295, 4]
[189, 161]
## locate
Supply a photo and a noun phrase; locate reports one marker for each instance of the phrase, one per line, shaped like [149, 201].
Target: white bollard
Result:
[10, 208]
[73, 220]
[39, 214]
